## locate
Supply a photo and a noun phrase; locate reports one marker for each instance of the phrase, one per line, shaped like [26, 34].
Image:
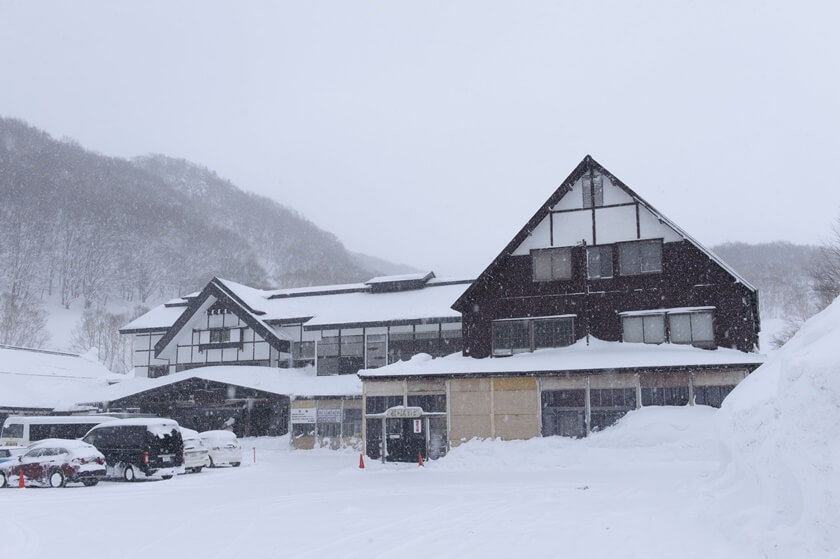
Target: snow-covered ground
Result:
[645, 488]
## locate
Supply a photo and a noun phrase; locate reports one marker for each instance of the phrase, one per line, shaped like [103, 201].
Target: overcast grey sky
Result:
[429, 132]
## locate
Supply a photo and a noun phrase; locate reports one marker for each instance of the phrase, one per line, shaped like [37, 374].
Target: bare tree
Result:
[824, 288]
[100, 329]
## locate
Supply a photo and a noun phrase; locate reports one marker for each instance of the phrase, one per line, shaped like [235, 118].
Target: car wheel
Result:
[165, 477]
[2, 479]
[90, 482]
[235, 464]
[57, 478]
[197, 470]
[128, 473]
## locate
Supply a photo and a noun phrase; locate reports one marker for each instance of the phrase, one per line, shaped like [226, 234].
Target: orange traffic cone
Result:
[419, 459]
[361, 461]
[20, 481]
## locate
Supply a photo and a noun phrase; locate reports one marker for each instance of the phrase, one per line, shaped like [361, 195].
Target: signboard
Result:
[303, 415]
[404, 413]
[418, 425]
[329, 415]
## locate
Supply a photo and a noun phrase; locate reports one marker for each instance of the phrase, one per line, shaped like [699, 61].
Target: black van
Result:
[139, 448]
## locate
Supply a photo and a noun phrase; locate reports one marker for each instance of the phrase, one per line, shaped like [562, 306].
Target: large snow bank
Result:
[779, 427]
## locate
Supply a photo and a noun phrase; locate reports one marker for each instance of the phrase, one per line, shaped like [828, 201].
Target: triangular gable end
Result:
[215, 291]
[563, 220]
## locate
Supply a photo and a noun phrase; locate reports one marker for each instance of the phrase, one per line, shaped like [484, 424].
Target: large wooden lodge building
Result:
[599, 305]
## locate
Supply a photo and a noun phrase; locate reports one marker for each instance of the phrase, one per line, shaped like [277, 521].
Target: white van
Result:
[21, 430]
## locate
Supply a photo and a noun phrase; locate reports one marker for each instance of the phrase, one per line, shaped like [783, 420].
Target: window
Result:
[511, 336]
[648, 329]
[156, 371]
[352, 422]
[711, 395]
[519, 336]
[378, 404]
[608, 405]
[13, 431]
[670, 396]
[694, 328]
[593, 190]
[429, 402]
[599, 262]
[640, 257]
[552, 264]
[691, 328]
[219, 335]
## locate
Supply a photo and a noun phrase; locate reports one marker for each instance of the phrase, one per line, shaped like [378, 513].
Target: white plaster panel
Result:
[261, 350]
[540, 237]
[141, 358]
[615, 224]
[570, 228]
[651, 228]
[141, 341]
[614, 194]
[155, 339]
[204, 337]
[184, 354]
[573, 199]
[215, 320]
[141, 371]
[214, 354]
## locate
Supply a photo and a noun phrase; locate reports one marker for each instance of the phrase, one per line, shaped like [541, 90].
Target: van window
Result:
[13, 431]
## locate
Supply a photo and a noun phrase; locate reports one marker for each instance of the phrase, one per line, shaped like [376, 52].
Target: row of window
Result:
[527, 335]
[519, 336]
[634, 258]
[696, 328]
[564, 411]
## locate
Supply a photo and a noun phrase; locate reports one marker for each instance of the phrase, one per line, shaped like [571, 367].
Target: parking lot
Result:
[613, 495]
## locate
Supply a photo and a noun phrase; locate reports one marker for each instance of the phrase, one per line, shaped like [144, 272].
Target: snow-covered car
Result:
[196, 455]
[139, 448]
[54, 463]
[224, 448]
[9, 452]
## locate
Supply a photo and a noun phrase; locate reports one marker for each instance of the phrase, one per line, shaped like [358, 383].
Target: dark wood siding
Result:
[689, 278]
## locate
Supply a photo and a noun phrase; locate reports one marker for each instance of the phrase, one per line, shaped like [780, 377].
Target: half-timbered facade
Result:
[335, 329]
[599, 305]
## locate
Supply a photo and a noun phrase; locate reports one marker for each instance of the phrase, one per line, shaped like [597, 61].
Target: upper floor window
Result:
[640, 257]
[219, 335]
[524, 335]
[593, 191]
[677, 326]
[599, 262]
[552, 264]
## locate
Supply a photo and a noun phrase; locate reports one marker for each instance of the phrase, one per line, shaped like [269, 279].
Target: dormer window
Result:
[593, 191]
[219, 335]
[552, 264]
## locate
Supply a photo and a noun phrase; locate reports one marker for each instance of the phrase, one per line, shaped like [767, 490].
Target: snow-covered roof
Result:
[598, 355]
[33, 378]
[159, 318]
[418, 276]
[290, 382]
[328, 305]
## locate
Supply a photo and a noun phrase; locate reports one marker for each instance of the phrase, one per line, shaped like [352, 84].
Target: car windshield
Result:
[14, 431]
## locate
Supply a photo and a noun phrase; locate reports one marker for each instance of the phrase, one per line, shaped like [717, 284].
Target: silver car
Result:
[196, 455]
[224, 448]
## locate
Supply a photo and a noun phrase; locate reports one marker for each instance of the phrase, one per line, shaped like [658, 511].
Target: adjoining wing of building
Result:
[599, 305]
[260, 361]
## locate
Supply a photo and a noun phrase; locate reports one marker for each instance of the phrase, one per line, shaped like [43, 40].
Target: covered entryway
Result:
[404, 433]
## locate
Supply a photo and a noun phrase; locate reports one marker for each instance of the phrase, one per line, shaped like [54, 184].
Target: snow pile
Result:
[779, 427]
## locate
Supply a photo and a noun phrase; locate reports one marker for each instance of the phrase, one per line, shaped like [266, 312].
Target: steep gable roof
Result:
[221, 290]
[588, 163]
